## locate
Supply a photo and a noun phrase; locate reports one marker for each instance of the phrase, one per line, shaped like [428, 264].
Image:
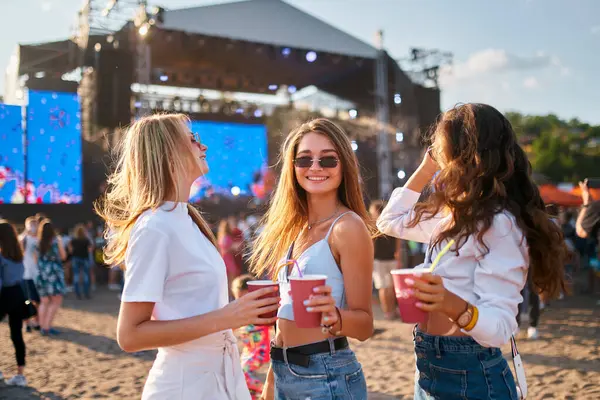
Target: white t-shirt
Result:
[29, 251]
[171, 263]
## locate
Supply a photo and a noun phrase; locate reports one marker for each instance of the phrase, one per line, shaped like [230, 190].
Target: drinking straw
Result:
[440, 255]
[285, 264]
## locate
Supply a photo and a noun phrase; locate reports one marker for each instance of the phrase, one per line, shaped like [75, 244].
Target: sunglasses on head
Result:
[324, 162]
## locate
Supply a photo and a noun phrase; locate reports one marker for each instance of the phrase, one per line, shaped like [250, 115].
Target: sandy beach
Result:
[85, 362]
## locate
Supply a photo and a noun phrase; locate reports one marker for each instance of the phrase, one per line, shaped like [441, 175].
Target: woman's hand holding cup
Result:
[247, 309]
[322, 302]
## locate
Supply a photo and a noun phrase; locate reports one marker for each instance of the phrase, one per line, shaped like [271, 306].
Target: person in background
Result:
[80, 249]
[588, 227]
[29, 243]
[228, 249]
[67, 265]
[12, 298]
[238, 242]
[92, 235]
[50, 282]
[386, 259]
[570, 235]
[255, 339]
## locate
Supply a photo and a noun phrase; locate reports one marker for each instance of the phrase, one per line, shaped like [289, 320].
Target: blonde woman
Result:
[318, 217]
[175, 294]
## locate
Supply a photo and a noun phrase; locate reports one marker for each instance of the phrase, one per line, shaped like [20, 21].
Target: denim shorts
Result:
[452, 368]
[336, 375]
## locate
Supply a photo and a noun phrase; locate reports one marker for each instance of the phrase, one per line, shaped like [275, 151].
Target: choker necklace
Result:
[310, 226]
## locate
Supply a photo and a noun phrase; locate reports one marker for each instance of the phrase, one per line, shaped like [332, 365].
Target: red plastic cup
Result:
[256, 285]
[302, 288]
[409, 312]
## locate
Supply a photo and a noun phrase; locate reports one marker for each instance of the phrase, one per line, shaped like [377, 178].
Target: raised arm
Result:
[399, 211]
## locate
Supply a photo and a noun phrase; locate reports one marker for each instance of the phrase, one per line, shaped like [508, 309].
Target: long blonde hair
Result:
[288, 211]
[148, 159]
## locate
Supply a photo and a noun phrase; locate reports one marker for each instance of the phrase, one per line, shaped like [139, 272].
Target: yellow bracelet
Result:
[473, 321]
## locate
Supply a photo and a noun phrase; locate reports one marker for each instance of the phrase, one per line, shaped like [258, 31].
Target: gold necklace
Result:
[311, 225]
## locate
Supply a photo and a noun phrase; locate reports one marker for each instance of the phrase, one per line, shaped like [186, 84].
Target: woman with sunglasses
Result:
[175, 296]
[487, 204]
[318, 218]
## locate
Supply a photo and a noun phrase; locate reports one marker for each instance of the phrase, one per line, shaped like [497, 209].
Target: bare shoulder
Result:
[350, 228]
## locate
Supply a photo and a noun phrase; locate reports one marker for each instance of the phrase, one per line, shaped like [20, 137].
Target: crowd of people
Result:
[185, 289]
[39, 266]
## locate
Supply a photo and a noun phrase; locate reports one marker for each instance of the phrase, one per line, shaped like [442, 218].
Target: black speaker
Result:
[115, 71]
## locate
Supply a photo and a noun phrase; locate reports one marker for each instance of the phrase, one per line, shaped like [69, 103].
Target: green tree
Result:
[564, 151]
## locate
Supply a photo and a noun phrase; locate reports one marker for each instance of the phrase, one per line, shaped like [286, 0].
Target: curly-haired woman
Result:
[484, 200]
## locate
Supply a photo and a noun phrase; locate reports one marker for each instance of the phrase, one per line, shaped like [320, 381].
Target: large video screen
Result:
[54, 157]
[237, 158]
[12, 159]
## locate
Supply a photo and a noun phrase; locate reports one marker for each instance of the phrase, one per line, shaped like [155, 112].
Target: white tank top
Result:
[315, 260]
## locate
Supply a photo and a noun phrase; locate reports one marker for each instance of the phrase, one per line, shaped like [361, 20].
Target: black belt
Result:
[301, 355]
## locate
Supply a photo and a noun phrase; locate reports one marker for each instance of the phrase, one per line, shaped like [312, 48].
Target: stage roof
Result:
[267, 21]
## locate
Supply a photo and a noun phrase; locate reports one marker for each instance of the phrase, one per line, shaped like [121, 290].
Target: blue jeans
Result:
[336, 375]
[81, 265]
[452, 368]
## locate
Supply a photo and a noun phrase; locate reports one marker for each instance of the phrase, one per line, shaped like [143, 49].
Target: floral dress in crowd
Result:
[51, 278]
[255, 354]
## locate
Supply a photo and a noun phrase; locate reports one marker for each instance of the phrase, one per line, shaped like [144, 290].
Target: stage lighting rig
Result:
[423, 65]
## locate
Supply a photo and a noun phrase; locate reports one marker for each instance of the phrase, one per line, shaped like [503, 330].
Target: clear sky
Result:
[533, 56]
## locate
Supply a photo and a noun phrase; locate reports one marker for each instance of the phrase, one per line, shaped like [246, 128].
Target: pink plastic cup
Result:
[409, 312]
[256, 285]
[302, 288]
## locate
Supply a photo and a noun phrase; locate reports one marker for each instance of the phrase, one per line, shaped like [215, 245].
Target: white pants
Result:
[382, 273]
[212, 371]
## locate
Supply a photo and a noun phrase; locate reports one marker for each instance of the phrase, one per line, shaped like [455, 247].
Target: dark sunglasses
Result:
[195, 137]
[324, 162]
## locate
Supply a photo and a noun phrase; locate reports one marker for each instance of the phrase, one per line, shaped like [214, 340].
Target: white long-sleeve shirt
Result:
[492, 281]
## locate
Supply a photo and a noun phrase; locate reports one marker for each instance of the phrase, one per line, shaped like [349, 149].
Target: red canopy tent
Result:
[553, 195]
[594, 192]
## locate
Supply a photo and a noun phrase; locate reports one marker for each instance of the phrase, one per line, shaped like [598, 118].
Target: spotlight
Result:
[273, 87]
[354, 145]
[401, 174]
[286, 51]
[235, 191]
[399, 137]
[352, 113]
[258, 113]
[311, 56]
[164, 78]
[239, 111]
[397, 98]
[292, 89]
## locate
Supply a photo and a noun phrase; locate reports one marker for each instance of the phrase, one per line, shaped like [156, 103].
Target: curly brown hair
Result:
[484, 172]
